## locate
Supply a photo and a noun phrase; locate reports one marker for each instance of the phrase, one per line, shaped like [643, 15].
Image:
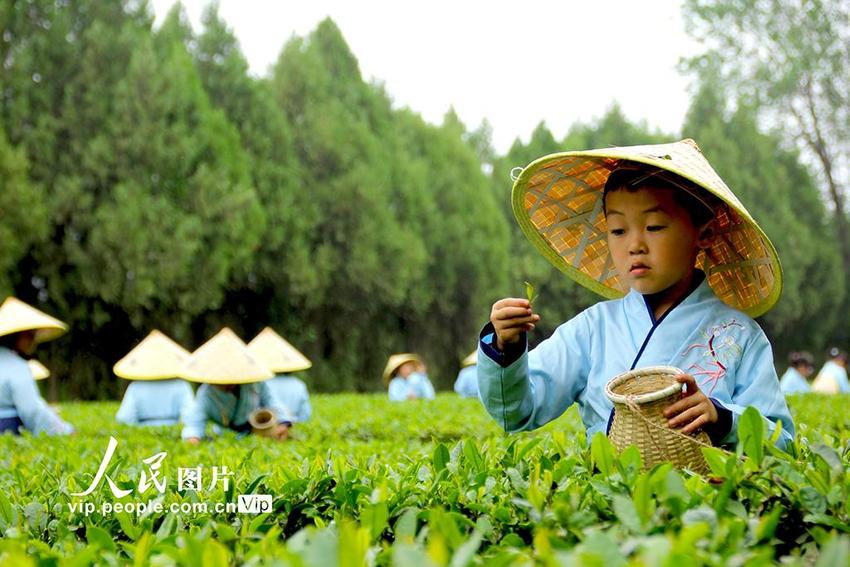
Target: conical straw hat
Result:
[276, 353]
[471, 359]
[225, 359]
[397, 360]
[557, 201]
[157, 357]
[39, 371]
[17, 316]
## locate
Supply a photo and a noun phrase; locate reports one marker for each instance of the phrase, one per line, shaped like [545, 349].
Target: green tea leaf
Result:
[602, 453]
[751, 434]
[100, 537]
[529, 292]
[441, 457]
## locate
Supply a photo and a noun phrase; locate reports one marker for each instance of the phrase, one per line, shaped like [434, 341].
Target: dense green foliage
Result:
[147, 180]
[430, 483]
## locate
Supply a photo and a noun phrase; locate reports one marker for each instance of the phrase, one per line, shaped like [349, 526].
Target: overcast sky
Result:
[515, 64]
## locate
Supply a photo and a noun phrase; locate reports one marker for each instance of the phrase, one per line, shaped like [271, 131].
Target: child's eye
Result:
[655, 227]
[617, 231]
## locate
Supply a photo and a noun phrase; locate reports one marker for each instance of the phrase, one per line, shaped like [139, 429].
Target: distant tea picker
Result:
[282, 358]
[406, 379]
[466, 384]
[22, 328]
[232, 389]
[156, 396]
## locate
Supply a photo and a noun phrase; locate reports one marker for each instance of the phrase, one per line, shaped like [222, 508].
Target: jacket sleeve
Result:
[304, 410]
[34, 412]
[269, 400]
[397, 390]
[537, 386]
[756, 384]
[196, 415]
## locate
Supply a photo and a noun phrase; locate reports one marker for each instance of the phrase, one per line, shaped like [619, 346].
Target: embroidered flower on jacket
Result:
[719, 350]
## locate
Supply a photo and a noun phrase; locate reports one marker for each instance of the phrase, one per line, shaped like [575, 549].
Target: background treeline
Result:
[147, 180]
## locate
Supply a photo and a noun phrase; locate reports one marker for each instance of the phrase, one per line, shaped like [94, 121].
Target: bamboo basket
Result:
[639, 398]
[263, 422]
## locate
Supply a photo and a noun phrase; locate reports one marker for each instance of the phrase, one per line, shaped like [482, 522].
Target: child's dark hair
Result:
[802, 358]
[696, 201]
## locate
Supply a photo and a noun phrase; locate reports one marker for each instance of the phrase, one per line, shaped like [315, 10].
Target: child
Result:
[156, 396]
[406, 379]
[634, 223]
[800, 366]
[232, 388]
[22, 327]
[466, 384]
[282, 358]
[832, 378]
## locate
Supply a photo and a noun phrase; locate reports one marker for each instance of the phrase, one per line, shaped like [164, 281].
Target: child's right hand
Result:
[511, 317]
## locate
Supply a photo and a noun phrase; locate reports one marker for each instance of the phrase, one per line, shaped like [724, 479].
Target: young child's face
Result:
[406, 369]
[652, 239]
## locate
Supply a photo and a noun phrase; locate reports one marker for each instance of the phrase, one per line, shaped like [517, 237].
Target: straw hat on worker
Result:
[283, 359]
[22, 328]
[558, 201]
[232, 387]
[156, 395]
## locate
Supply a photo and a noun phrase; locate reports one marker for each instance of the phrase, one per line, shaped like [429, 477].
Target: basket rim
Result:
[643, 398]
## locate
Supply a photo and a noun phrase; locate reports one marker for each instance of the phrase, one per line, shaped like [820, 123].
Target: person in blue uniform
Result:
[22, 328]
[656, 228]
[800, 367]
[283, 359]
[407, 378]
[466, 384]
[155, 396]
[832, 378]
[232, 388]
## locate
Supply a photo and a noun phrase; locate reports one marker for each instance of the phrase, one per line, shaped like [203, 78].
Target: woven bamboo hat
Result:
[157, 357]
[17, 316]
[276, 353]
[225, 359]
[640, 397]
[557, 201]
[39, 371]
[471, 359]
[397, 360]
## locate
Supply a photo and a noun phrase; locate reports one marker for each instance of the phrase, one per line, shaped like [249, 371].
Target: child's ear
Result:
[707, 234]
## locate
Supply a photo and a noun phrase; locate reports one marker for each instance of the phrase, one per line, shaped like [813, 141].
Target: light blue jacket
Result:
[467, 382]
[155, 402]
[725, 350]
[838, 373]
[228, 410]
[292, 392]
[416, 384]
[793, 382]
[19, 397]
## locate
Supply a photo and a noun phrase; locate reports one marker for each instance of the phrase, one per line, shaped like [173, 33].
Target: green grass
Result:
[422, 483]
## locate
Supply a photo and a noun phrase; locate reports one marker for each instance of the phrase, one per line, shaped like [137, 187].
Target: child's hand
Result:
[511, 317]
[193, 440]
[693, 411]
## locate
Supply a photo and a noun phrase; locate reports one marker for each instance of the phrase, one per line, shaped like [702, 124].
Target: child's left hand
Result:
[693, 411]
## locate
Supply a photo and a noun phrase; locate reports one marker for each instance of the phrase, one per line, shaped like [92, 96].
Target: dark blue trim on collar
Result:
[699, 276]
